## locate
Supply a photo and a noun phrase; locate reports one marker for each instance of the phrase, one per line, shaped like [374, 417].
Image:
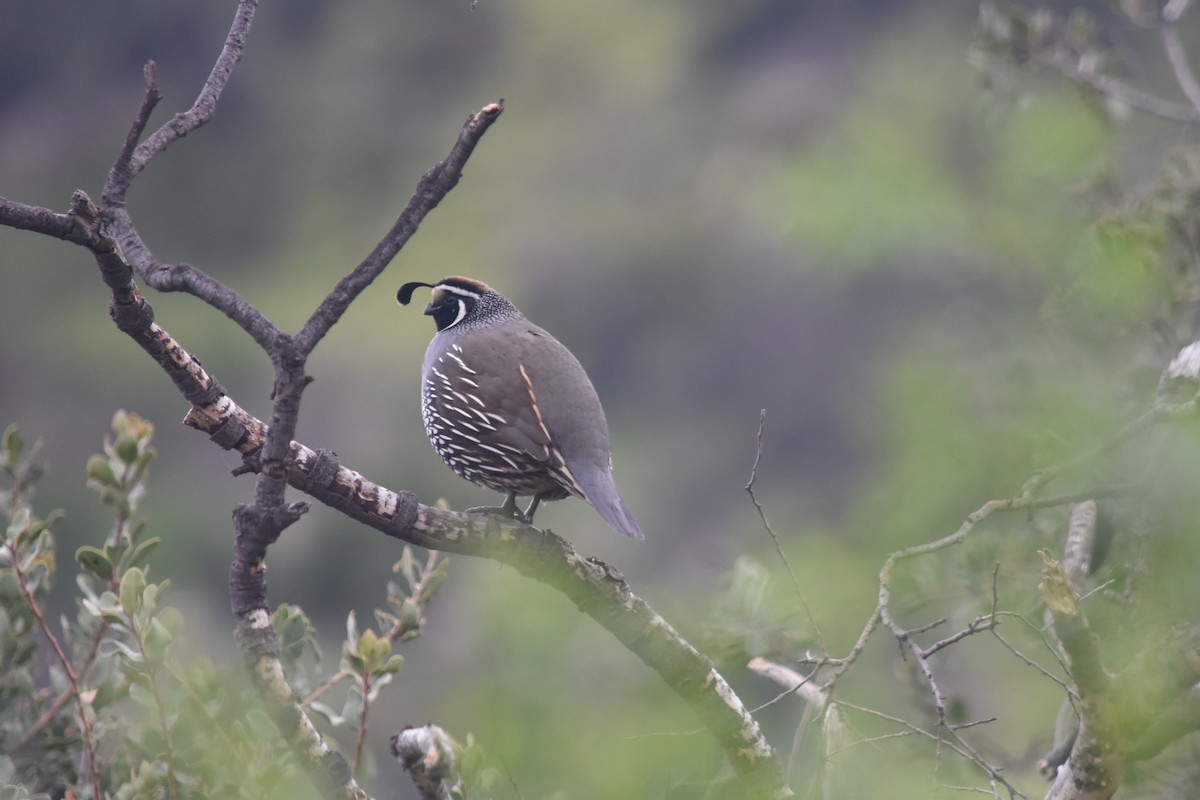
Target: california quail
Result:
[508, 407]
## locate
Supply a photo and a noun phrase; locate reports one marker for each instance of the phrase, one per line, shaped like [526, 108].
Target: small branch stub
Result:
[428, 755]
[1056, 589]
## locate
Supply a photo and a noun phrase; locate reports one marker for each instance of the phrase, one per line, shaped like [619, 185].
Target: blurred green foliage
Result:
[159, 720]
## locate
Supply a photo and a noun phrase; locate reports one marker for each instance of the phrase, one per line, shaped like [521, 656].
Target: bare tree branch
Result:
[1119, 90]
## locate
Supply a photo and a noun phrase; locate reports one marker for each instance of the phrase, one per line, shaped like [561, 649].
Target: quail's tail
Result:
[600, 491]
[617, 515]
[603, 496]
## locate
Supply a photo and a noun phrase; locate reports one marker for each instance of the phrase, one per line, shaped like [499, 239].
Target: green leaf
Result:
[133, 584]
[141, 695]
[145, 458]
[261, 726]
[110, 647]
[435, 581]
[491, 779]
[410, 615]
[369, 649]
[95, 561]
[323, 710]
[13, 444]
[407, 567]
[158, 639]
[352, 708]
[151, 593]
[471, 763]
[385, 619]
[172, 619]
[100, 471]
[19, 524]
[115, 497]
[135, 529]
[127, 448]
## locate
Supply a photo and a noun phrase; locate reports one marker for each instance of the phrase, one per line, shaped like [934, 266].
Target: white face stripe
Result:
[458, 290]
[462, 312]
[442, 289]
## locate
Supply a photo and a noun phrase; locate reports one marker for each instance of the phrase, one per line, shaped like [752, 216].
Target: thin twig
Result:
[120, 174]
[762, 515]
[1121, 91]
[966, 752]
[792, 681]
[964, 725]
[325, 686]
[362, 724]
[977, 625]
[85, 727]
[971, 789]
[1029, 662]
[66, 694]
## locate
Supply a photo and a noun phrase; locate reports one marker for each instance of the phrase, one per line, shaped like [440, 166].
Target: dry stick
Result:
[1029, 662]
[910, 728]
[1026, 500]
[1172, 12]
[984, 623]
[1177, 55]
[1119, 90]
[762, 515]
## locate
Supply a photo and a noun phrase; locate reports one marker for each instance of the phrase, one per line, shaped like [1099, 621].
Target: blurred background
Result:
[816, 209]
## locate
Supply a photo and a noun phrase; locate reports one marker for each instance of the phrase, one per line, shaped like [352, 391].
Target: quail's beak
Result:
[429, 310]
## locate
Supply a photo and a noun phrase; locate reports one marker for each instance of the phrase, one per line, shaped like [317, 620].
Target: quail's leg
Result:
[533, 504]
[508, 509]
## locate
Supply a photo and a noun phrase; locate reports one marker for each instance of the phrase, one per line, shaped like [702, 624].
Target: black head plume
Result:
[404, 296]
